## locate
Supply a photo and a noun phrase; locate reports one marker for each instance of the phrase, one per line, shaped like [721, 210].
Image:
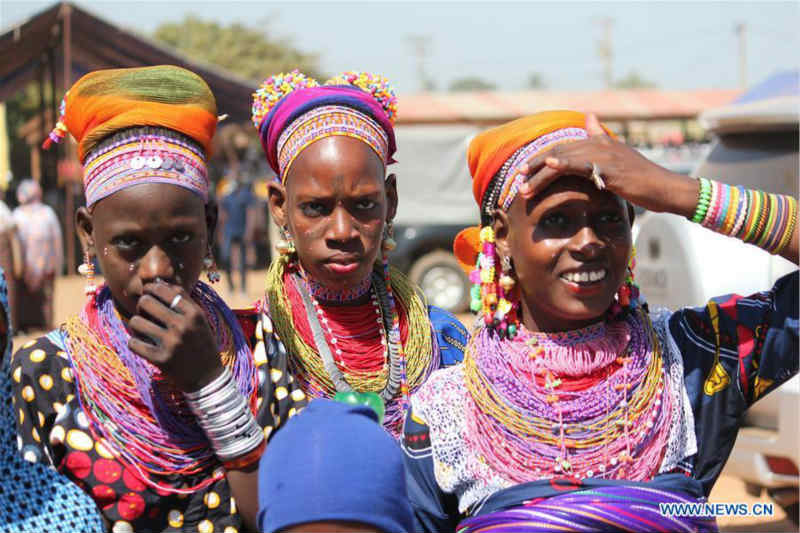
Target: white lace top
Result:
[439, 403]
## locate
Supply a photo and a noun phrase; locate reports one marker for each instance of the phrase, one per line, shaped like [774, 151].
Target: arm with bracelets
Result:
[766, 220]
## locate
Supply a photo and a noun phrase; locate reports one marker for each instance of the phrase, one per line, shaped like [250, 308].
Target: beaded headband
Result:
[291, 111]
[144, 159]
[508, 180]
[329, 121]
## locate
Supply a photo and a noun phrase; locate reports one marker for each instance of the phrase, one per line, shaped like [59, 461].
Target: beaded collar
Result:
[590, 402]
[140, 414]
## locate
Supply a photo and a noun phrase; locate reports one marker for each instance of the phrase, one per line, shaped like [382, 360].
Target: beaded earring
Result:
[86, 269]
[211, 267]
[490, 296]
[394, 332]
[285, 245]
[628, 293]
[388, 242]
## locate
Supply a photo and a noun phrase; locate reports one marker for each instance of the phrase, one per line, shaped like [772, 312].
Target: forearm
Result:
[244, 488]
[766, 220]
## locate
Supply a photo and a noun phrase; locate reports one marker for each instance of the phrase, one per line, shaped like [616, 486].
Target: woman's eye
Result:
[611, 218]
[181, 238]
[312, 209]
[125, 242]
[555, 219]
[366, 204]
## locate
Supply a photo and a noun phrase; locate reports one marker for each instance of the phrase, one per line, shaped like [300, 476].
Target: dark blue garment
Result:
[235, 205]
[351, 470]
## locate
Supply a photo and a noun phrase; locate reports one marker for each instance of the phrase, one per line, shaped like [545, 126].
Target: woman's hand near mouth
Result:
[170, 330]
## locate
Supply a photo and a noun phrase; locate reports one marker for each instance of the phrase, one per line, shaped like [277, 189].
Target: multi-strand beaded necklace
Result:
[343, 345]
[138, 411]
[586, 403]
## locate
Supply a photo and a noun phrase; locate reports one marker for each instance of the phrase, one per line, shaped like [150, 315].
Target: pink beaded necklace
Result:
[590, 402]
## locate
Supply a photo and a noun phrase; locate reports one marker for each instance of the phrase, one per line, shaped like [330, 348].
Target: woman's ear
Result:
[84, 224]
[502, 228]
[391, 196]
[278, 203]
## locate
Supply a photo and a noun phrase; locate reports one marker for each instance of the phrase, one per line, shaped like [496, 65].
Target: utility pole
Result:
[421, 49]
[741, 32]
[605, 50]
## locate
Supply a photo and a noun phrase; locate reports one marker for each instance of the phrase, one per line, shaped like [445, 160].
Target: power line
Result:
[605, 50]
[741, 32]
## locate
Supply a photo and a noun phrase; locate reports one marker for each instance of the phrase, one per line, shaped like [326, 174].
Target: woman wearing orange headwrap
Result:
[576, 407]
[148, 398]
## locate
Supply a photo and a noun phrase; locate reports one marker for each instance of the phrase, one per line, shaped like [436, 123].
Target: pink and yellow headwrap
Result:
[291, 111]
[106, 101]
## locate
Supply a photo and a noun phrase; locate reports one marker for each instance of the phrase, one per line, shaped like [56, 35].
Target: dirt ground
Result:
[69, 295]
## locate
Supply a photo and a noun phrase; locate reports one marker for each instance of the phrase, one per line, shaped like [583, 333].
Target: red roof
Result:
[497, 107]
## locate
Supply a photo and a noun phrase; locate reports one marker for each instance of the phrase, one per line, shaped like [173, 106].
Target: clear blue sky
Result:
[675, 44]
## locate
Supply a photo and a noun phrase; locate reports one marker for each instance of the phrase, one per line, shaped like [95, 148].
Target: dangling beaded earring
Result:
[394, 333]
[86, 269]
[492, 298]
[211, 267]
[628, 293]
[507, 306]
[388, 243]
[285, 245]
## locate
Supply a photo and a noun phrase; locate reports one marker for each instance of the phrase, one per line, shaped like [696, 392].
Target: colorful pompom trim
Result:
[60, 131]
[375, 84]
[273, 89]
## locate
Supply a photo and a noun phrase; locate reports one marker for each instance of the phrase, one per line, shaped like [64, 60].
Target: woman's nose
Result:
[156, 264]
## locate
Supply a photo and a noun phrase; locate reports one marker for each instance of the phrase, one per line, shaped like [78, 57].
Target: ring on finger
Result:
[175, 301]
[597, 179]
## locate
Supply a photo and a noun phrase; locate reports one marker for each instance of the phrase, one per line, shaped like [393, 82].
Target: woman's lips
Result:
[585, 282]
[342, 268]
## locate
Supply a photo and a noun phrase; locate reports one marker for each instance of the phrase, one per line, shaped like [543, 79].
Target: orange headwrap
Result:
[166, 96]
[490, 150]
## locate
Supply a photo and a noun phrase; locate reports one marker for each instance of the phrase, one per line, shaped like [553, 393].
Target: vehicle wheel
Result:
[442, 280]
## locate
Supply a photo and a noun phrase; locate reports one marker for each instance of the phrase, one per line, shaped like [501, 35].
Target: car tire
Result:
[441, 278]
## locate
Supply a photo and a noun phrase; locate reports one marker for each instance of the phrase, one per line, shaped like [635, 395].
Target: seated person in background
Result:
[349, 476]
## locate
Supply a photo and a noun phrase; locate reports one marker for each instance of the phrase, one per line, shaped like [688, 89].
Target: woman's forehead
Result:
[574, 189]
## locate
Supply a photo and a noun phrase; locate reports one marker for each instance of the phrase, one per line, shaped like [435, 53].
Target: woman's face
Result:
[570, 248]
[145, 232]
[335, 204]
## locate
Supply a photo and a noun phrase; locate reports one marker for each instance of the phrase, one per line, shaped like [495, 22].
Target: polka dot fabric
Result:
[53, 428]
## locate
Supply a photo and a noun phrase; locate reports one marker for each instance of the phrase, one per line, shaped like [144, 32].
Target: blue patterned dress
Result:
[33, 496]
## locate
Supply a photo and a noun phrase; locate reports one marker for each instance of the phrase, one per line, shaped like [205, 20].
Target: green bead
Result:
[475, 306]
[512, 331]
[349, 398]
[475, 292]
[368, 399]
[376, 403]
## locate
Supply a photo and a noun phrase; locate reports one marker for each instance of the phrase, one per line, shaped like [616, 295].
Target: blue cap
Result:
[333, 462]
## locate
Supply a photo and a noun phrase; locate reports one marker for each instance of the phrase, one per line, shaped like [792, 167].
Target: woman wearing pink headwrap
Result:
[347, 321]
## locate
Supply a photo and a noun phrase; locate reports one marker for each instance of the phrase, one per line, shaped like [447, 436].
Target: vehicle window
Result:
[765, 160]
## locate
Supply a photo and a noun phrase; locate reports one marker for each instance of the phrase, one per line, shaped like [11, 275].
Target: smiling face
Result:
[144, 232]
[569, 247]
[335, 205]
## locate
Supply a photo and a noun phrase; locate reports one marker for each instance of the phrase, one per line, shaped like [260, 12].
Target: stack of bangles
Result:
[225, 417]
[766, 220]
